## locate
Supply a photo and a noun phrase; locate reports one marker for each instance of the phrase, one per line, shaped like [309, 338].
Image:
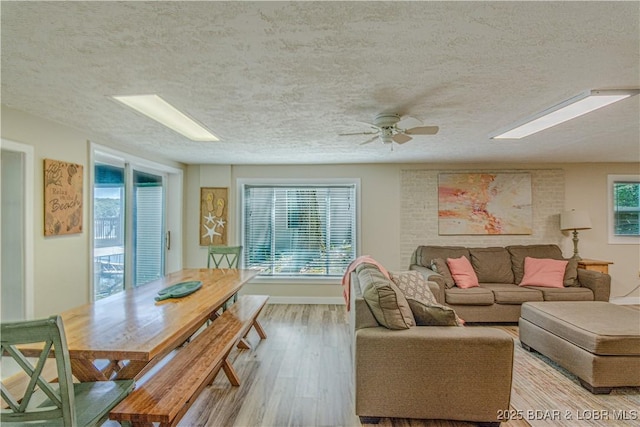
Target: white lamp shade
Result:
[575, 220]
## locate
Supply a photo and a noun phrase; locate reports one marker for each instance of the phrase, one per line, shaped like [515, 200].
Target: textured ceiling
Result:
[278, 81]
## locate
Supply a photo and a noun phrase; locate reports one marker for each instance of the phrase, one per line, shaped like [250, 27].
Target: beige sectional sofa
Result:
[425, 372]
[499, 271]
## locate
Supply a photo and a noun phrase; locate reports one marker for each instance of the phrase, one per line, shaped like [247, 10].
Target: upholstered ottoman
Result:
[597, 341]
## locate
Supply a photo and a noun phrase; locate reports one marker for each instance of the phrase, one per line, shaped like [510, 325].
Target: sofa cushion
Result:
[385, 300]
[504, 293]
[520, 252]
[425, 254]
[462, 272]
[471, 296]
[439, 265]
[543, 272]
[425, 308]
[565, 294]
[492, 265]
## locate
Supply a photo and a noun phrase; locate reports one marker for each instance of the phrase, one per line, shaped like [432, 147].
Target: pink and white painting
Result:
[484, 203]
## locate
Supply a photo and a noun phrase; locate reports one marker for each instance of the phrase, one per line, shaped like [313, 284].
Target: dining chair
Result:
[53, 402]
[225, 257]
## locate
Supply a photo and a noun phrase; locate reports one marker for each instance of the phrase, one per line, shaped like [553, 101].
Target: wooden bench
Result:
[167, 395]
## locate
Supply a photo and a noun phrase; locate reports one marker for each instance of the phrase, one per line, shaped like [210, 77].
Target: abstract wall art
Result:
[484, 203]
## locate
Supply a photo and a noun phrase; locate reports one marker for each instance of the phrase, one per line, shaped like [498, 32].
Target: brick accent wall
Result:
[419, 211]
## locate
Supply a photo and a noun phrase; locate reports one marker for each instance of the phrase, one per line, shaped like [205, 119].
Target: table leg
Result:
[131, 370]
[84, 370]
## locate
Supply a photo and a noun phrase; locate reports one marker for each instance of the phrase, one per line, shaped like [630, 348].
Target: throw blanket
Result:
[346, 279]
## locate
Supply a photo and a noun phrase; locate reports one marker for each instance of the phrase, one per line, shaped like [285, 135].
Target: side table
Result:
[595, 265]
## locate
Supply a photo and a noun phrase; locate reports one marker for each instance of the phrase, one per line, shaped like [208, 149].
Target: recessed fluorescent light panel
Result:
[567, 110]
[161, 111]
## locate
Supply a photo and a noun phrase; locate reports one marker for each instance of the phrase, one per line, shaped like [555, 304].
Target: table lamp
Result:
[575, 220]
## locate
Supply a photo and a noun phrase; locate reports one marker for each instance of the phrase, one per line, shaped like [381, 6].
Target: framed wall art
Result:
[213, 216]
[62, 198]
[484, 203]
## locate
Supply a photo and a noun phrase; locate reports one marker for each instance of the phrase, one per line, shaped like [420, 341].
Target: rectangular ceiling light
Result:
[161, 111]
[567, 110]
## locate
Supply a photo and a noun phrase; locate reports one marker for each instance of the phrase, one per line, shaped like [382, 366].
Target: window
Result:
[624, 216]
[301, 230]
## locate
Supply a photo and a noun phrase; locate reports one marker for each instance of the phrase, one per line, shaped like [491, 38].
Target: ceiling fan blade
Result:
[408, 122]
[369, 140]
[368, 124]
[359, 133]
[422, 130]
[401, 138]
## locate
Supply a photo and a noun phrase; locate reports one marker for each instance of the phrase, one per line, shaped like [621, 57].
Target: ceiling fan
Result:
[391, 128]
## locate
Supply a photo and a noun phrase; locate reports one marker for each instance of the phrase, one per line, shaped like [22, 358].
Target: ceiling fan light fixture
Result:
[166, 114]
[574, 107]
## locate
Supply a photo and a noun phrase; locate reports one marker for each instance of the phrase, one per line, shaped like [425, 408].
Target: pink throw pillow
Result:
[462, 272]
[544, 272]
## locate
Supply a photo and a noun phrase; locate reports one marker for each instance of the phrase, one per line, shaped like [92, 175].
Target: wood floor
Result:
[301, 376]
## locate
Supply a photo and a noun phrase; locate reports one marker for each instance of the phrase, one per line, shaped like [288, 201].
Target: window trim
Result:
[239, 214]
[613, 238]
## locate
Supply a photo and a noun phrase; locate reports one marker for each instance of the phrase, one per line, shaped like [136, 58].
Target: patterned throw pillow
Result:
[424, 306]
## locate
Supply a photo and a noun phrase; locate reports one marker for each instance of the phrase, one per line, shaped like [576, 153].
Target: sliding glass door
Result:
[129, 227]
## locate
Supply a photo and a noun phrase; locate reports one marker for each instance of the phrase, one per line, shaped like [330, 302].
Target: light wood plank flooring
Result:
[300, 375]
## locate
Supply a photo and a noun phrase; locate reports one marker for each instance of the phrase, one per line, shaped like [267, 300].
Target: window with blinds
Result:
[299, 230]
[626, 208]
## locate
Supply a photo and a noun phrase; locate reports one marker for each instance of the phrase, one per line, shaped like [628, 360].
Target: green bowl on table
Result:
[179, 290]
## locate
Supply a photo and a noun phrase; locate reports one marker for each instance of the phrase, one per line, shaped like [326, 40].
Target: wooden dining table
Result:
[124, 335]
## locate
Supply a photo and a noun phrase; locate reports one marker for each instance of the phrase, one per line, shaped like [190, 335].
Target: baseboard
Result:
[625, 300]
[306, 300]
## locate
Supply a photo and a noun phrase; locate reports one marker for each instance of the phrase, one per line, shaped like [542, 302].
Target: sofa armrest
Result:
[599, 283]
[432, 276]
[447, 366]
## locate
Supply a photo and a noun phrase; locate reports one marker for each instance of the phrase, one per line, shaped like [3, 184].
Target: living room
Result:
[570, 166]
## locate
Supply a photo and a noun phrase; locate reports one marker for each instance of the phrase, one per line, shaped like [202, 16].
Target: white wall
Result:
[570, 186]
[61, 263]
[586, 189]
[379, 187]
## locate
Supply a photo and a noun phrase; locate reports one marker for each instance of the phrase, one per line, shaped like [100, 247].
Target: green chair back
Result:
[224, 256]
[58, 402]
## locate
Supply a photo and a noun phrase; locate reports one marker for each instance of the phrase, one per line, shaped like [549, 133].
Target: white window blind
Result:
[307, 230]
